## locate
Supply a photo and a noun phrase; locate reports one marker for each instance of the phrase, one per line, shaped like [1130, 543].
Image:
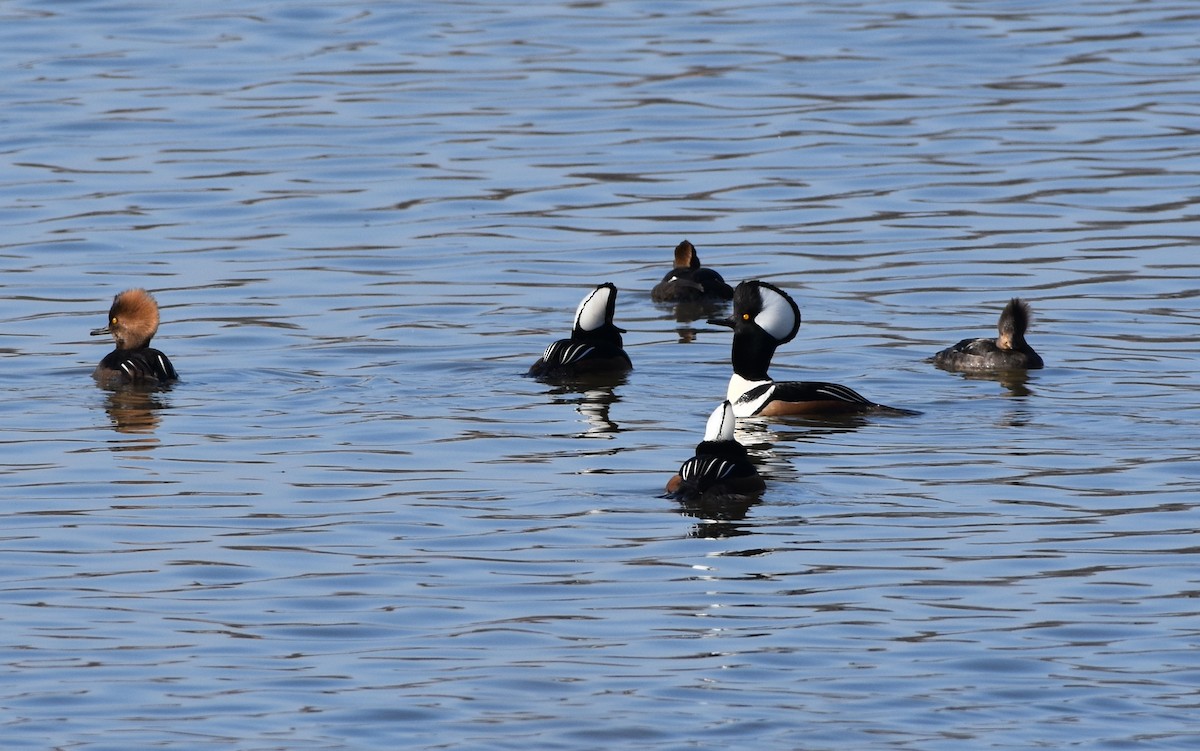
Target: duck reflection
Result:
[592, 399]
[1015, 381]
[134, 410]
[687, 313]
[695, 310]
[719, 518]
[760, 437]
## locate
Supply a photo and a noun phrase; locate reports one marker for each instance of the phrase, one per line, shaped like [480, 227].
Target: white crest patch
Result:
[593, 310]
[720, 423]
[778, 316]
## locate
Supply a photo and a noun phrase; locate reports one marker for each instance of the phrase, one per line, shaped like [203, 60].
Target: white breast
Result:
[739, 386]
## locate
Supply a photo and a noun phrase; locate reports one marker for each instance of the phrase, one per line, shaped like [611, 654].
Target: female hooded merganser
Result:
[595, 343]
[1009, 351]
[721, 466]
[688, 281]
[132, 322]
[765, 317]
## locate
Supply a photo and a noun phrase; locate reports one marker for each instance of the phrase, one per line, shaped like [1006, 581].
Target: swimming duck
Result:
[132, 323]
[688, 281]
[595, 346]
[721, 466]
[1008, 351]
[765, 317]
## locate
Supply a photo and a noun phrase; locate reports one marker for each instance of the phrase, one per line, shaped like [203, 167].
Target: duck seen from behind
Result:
[595, 346]
[1008, 351]
[721, 467]
[688, 281]
[765, 317]
[132, 323]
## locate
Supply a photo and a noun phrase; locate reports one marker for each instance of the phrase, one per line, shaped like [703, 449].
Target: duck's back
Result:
[984, 354]
[146, 365]
[568, 357]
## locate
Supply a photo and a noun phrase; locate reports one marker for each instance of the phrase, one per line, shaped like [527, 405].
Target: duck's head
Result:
[1014, 320]
[594, 317]
[132, 319]
[763, 307]
[686, 256]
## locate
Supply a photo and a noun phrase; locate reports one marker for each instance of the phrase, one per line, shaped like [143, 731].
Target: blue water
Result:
[354, 524]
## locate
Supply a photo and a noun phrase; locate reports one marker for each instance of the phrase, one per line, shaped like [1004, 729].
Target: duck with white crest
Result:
[765, 317]
[721, 466]
[595, 346]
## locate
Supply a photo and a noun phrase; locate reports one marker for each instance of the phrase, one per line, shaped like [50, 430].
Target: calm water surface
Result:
[354, 524]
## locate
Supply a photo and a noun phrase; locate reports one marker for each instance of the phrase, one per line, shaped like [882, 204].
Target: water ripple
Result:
[354, 522]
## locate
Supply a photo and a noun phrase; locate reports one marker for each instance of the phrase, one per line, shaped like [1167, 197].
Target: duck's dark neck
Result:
[753, 349]
[1020, 345]
[725, 449]
[606, 334]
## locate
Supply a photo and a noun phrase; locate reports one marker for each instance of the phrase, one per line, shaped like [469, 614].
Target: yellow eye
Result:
[745, 316]
[112, 320]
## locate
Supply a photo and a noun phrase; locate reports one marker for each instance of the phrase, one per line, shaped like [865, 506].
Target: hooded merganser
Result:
[595, 343]
[1009, 351]
[765, 317]
[721, 466]
[132, 322]
[688, 281]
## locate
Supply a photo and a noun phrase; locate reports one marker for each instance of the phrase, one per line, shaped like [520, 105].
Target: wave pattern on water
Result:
[353, 522]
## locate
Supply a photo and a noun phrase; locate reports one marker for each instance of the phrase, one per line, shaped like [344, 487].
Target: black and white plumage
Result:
[765, 317]
[132, 323]
[1008, 351]
[595, 346]
[146, 365]
[721, 466]
[689, 281]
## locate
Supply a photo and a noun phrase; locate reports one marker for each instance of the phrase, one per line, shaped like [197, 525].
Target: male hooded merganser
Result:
[595, 343]
[132, 322]
[688, 281]
[721, 466]
[1009, 351]
[765, 317]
